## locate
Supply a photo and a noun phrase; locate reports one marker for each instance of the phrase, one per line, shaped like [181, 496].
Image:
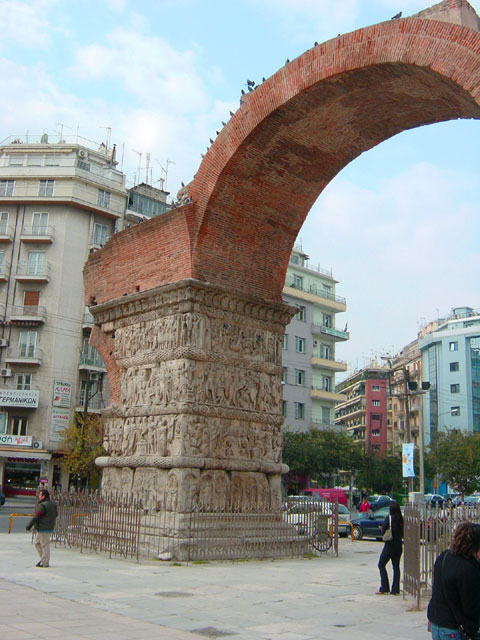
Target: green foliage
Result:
[82, 443]
[455, 456]
[380, 473]
[319, 452]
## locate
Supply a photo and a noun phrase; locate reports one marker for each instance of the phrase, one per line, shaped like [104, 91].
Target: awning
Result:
[24, 453]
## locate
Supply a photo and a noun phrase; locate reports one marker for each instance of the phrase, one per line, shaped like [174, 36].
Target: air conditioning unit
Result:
[315, 343]
[82, 153]
[5, 373]
[37, 444]
[3, 342]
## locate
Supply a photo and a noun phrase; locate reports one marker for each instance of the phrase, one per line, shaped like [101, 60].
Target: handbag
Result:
[388, 535]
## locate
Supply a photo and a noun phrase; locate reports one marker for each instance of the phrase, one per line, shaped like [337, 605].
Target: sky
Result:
[399, 226]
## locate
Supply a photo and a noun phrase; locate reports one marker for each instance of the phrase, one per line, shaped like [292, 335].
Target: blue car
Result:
[370, 526]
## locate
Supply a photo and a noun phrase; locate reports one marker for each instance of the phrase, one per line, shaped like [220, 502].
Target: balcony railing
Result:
[317, 291]
[26, 271]
[27, 313]
[95, 404]
[37, 233]
[89, 359]
[24, 354]
[6, 233]
[87, 319]
[335, 333]
[98, 241]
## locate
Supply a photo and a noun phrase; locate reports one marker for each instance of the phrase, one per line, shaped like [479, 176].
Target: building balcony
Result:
[4, 271]
[92, 361]
[33, 273]
[349, 412]
[24, 355]
[321, 394]
[95, 404]
[315, 294]
[87, 322]
[97, 242]
[37, 234]
[6, 234]
[336, 334]
[327, 363]
[27, 315]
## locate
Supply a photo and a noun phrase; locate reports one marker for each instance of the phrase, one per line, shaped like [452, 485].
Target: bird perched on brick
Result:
[211, 141]
[398, 15]
[287, 61]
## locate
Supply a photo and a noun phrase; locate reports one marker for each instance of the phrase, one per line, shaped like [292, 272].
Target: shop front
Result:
[23, 467]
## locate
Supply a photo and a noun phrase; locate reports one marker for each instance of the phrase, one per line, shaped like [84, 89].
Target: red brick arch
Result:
[288, 140]
[297, 130]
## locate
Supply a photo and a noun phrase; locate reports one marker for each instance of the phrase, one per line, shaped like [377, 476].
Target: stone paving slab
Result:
[90, 596]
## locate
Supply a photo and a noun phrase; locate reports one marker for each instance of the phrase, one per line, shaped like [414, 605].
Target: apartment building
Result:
[309, 347]
[450, 352]
[59, 200]
[366, 411]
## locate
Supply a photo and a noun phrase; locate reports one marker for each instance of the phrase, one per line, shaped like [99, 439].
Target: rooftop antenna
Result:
[139, 161]
[59, 124]
[162, 183]
[147, 169]
[109, 135]
[166, 170]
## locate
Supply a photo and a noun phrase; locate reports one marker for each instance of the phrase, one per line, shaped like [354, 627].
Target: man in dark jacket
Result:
[44, 523]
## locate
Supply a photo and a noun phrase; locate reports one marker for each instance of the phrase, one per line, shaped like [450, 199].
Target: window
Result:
[297, 282]
[3, 223]
[39, 224]
[103, 198]
[45, 187]
[375, 432]
[375, 416]
[327, 352]
[284, 408]
[454, 388]
[83, 389]
[326, 383]
[326, 415]
[375, 403]
[454, 366]
[2, 255]
[301, 313]
[299, 410]
[453, 346]
[375, 387]
[327, 320]
[285, 341]
[7, 187]
[100, 234]
[52, 160]
[300, 344]
[294, 259]
[26, 343]
[23, 381]
[375, 447]
[36, 263]
[285, 375]
[19, 426]
[454, 411]
[3, 422]
[326, 288]
[31, 298]
[300, 377]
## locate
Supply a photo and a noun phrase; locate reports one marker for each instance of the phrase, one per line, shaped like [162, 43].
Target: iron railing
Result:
[121, 525]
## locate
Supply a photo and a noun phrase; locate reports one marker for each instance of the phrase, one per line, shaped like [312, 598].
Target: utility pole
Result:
[406, 395]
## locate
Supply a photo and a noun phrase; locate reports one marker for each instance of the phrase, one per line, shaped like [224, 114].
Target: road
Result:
[16, 505]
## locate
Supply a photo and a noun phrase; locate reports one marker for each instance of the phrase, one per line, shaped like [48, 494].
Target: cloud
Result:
[25, 23]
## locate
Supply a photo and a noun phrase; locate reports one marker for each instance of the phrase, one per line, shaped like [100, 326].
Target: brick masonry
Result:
[287, 141]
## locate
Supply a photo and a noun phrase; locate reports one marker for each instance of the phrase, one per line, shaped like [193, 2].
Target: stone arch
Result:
[297, 130]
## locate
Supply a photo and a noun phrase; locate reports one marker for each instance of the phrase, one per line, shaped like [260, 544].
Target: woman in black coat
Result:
[455, 602]
[392, 550]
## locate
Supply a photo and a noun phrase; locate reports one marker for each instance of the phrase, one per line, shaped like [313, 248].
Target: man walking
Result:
[44, 523]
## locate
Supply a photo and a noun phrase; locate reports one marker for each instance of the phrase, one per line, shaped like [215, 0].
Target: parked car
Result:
[327, 494]
[437, 501]
[471, 500]
[370, 526]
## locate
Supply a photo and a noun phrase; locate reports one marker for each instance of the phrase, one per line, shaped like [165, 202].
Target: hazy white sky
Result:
[399, 226]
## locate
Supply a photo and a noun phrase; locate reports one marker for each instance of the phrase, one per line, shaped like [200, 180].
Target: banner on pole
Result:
[407, 460]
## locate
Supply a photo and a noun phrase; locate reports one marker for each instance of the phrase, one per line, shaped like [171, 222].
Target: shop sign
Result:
[19, 398]
[58, 424]
[16, 441]
[62, 393]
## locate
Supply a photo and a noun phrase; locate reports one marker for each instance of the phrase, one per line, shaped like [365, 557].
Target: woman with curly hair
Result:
[454, 609]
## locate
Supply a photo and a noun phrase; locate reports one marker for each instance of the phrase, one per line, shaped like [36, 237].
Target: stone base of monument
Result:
[219, 536]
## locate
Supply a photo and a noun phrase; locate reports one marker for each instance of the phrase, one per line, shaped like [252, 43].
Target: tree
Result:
[319, 452]
[455, 456]
[82, 443]
[381, 473]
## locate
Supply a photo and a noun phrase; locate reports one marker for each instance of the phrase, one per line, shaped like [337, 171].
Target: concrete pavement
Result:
[89, 596]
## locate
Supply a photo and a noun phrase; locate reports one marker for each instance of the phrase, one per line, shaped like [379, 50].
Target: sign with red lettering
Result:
[62, 393]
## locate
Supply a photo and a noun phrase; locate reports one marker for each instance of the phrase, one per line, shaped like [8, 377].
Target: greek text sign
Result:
[18, 398]
[58, 424]
[16, 441]
[62, 393]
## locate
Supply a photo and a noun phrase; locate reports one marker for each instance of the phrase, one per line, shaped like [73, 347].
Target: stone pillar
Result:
[196, 420]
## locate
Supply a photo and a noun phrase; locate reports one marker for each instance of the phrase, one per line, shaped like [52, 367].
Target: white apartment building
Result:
[59, 200]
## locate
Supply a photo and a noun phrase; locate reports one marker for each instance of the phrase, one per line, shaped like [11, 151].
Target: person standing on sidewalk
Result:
[44, 523]
[454, 609]
[392, 550]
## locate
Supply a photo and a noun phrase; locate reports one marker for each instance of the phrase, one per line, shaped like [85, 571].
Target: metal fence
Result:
[428, 532]
[119, 525]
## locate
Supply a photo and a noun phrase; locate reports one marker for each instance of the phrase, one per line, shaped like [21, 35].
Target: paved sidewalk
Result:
[88, 596]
